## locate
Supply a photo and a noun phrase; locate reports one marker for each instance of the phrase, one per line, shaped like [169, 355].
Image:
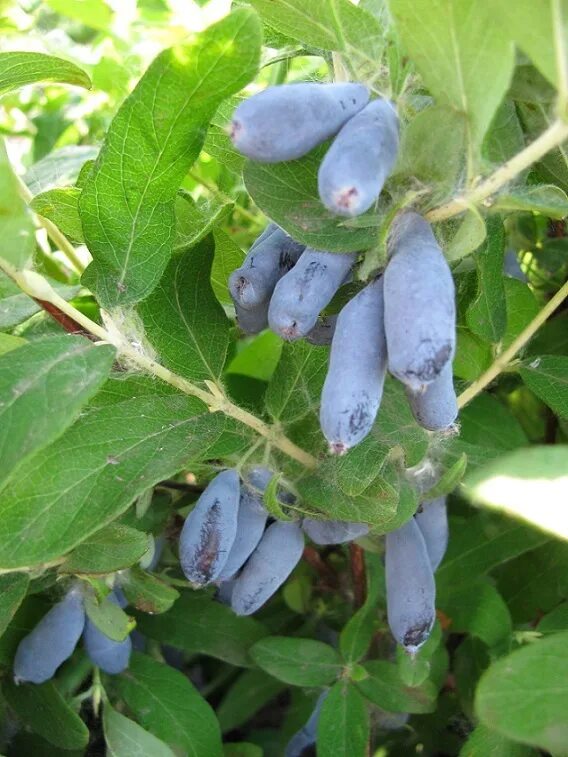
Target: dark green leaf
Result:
[547, 377]
[118, 451]
[547, 199]
[343, 727]
[555, 621]
[198, 624]
[61, 207]
[296, 385]
[112, 548]
[384, 688]
[473, 356]
[469, 66]
[487, 316]
[16, 307]
[252, 690]
[479, 544]
[184, 321]
[300, 662]
[357, 633]
[147, 593]
[13, 589]
[125, 738]
[522, 307]
[484, 741]
[479, 610]
[18, 69]
[127, 204]
[488, 422]
[288, 193]
[167, 704]
[538, 717]
[43, 386]
[45, 711]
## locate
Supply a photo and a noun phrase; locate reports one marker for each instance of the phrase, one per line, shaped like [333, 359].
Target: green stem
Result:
[58, 238]
[503, 360]
[556, 133]
[35, 285]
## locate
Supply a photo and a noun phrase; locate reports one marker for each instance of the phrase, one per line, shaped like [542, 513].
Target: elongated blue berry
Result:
[306, 736]
[250, 527]
[254, 320]
[420, 313]
[333, 531]
[109, 655]
[435, 407]
[322, 333]
[266, 263]
[512, 268]
[287, 121]
[353, 387]
[275, 557]
[301, 295]
[432, 519]
[51, 642]
[209, 531]
[411, 591]
[362, 155]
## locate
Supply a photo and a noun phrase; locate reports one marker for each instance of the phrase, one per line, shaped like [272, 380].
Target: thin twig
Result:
[516, 345]
[556, 133]
[71, 326]
[327, 575]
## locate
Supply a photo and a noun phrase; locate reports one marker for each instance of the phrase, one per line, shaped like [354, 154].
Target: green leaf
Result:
[16, 307]
[213, 629]
[533, 27]
[252, 690]
[61, 207]
[504, 139]
[488, 422]
[241, 749]
[448, 481]
[529, 484]
[128, 202]
[463, 236]
[17, 237]
[547, 377]
[384, 688]
[555, 621]
[259, 357]
[484, 741]
[343, 727]
[228, 256]
[300, 662]
[109, 618]
[463, 56]
[479, 544]
[13, 589]
[125, 738]
[184, 321]
[18, 69]
[9, 342]
[479, 610]
[112, 548]
[337, 25]
[521, 306]
[487, 316]
[193, 222]
[432, 149]
[376, 505]
[534, 582]
[547, 199]
[59, 168]
[473, 355]
[95, 14]
[118, 451]
[43, 386]
[538, 717]
[288, 194]
[357, 633]
[218, 144]
[148, 593]
[168, 705]
[295, 388]
[45, 711]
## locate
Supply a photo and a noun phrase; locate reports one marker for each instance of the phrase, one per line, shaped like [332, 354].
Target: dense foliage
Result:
[137, 405]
